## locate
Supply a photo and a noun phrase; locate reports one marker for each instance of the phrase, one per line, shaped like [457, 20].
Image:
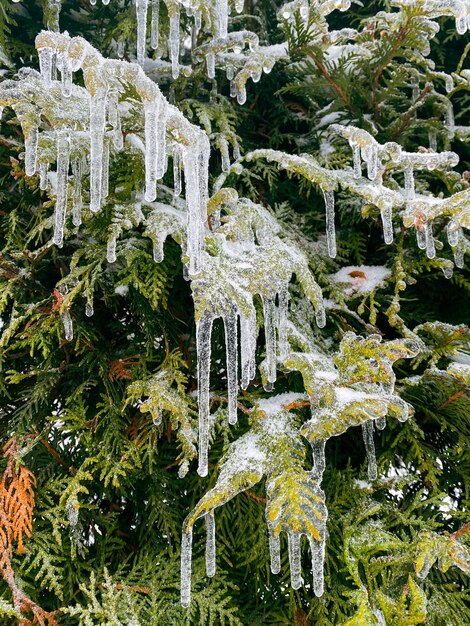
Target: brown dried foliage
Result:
[16, 521]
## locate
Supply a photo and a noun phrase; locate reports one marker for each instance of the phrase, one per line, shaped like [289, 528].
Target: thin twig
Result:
[461, 531]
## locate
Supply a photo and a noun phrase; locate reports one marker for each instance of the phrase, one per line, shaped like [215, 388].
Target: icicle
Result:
[282, 322]
[114, 119]
[152, 119]
[231, 347]
[372, 162]
[158, 250]
[247, 348]
[320, 316]
[453, 234]
[158, 417]
[357, 160]
[450, 120]
[210, 544]
[459, 255]
[387, 224]
[241, 95]
[203, 349]
[66, 76]
[230, 72]
[43, 169]
[239, 5]
[177, 172]
[154, 23]
[174, 41]
[105, 171]
[381, 422]
[97, 126]
[329, 197]
[430, 249]
[45, 64]
[270, 334]
[275, 552]
[233, 89]
[293, 540]
[318, 449]
[256, 74]
[31, 150]
[223, 146]
[63, 154]
[111, 249]
[221, 18]
[162, 162]
[236, 149]
[68, 325]
[461, 19]
[210, 63]
[409, 183]
[447, 270]
[368, 436]
[186, 558]
[420, 239]
[432, 137]
[77, 201]
[317, 549]
[89, 308]
[141, 7]
[121, 48]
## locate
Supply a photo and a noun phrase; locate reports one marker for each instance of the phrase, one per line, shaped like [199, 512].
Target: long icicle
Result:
[154, 23]
[141, 7]
[186, 561]
[231, 344]
[151, 114]
[247, 348]
[293, 540]
[317, 549]
[63, 155]
[270, 334]
[329, 197]
[275, 552]
[210, 544]
[368, 436]
[97, 126]
[203, 348]
[282, 322]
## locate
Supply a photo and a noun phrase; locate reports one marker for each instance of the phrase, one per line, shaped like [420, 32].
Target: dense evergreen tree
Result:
[126, 286]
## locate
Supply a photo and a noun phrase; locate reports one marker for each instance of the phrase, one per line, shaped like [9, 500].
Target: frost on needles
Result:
[233, 249]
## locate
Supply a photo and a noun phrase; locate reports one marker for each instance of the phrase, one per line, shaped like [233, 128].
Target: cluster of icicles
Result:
[459, 9]
[104, 79]
[419, 209]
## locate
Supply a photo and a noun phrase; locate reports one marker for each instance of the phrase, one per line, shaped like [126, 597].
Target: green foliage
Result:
[107, 422]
